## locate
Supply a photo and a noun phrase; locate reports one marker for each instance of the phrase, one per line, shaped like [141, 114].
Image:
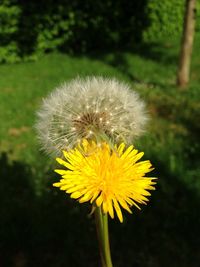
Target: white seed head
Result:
[89, 108]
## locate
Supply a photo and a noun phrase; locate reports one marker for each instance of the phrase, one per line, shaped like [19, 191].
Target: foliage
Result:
[9, 17]
[30, 28]
[47, 25]
[166, 19]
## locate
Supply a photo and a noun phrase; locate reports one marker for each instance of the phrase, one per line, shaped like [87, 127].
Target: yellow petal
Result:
[105, 207]
[128, 150]
[64, 163]
[124, 204]
[76, 194]
[121, 148]
[57, 184]
[99, 200]
[110, 208]
[61, 172]
[85, 198]
[118, 210]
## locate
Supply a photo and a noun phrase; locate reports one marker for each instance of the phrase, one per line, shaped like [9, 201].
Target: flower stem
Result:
[103, 237]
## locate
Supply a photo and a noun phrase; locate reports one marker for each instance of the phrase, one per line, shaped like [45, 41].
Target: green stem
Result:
[103, 237]
[106, 240]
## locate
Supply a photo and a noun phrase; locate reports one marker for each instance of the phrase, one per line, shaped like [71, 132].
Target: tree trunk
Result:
[186, 44]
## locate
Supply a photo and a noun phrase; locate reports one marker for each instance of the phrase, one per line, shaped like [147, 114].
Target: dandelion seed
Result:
[92, 104]
[112, 179]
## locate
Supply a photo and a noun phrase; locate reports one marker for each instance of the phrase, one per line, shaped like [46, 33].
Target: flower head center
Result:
[91, 121]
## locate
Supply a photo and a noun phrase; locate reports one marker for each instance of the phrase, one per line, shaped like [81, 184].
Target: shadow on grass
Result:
[165, 52]
[52, 230]
[46, 230]
[166, 232]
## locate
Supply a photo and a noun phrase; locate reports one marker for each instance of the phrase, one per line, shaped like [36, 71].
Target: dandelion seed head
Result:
[87, 108]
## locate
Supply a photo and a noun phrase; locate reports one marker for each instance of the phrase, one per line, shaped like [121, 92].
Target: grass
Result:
[41, 227]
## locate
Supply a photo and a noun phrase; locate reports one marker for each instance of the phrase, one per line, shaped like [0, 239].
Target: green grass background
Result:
[40, 226]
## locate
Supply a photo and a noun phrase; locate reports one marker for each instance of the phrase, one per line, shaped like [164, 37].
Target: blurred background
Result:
[146, 43]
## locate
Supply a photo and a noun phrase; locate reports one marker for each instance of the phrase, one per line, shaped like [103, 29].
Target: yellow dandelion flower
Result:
[110, 178]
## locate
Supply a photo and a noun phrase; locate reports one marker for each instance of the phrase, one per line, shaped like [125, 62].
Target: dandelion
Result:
[93, 121]
[109, 179]
[91, 108]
